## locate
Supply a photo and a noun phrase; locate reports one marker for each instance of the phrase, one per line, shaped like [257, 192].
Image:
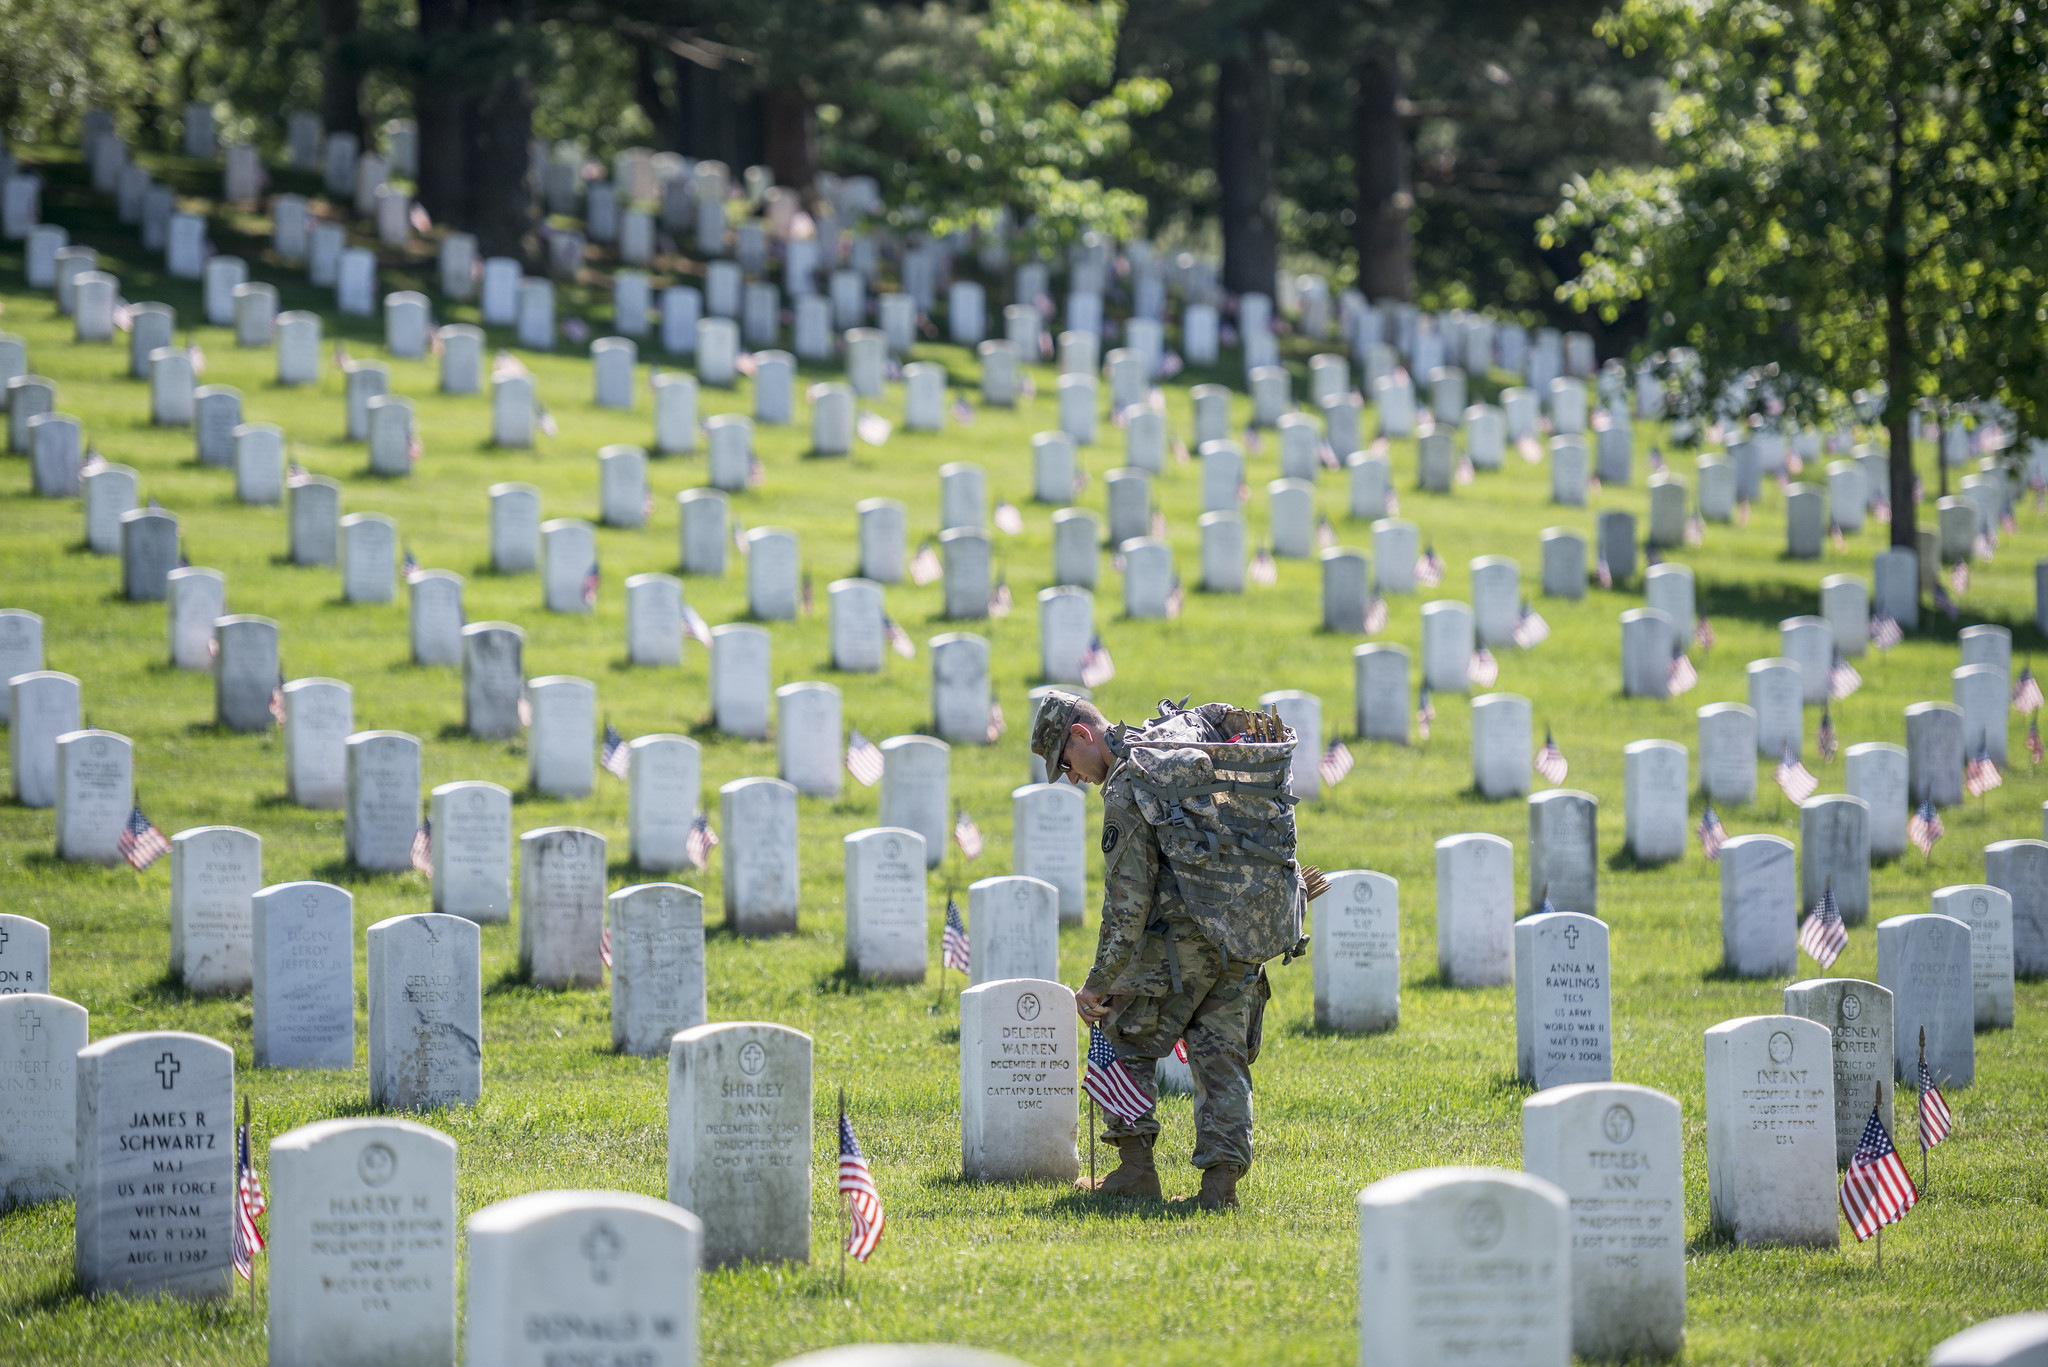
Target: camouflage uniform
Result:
[1166, 979]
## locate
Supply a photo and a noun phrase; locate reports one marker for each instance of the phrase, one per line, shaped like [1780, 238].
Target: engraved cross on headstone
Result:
[3, 939]
[29, 1021]
[603, 1247]
[1571, 937]
[168, 1069]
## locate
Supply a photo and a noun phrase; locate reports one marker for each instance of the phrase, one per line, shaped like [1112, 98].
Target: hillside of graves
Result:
[1029, 1268]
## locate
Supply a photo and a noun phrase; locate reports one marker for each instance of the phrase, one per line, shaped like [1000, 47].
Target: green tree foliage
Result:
[1853, 193]
[968, 116]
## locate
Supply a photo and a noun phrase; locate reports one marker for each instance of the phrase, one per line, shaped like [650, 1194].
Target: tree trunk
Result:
[501, 198]
[441, 109]
[341, 67]
[1244, 167]
[1386, 196]
[1898, 358]
[792, 135]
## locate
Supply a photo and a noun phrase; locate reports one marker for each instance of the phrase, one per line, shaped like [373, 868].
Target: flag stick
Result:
[1877, 1092]
[842, 1200]
[238, 1201]
[1920, 1120]
[1091, 1143]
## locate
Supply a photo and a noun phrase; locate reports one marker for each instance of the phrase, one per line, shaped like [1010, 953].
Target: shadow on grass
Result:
[1725, 973]
[57, 1295]
[843, 981]
[1074, 1203]
[165, 989]
[1308, 1029]
[344, 874]
[1510, 1084]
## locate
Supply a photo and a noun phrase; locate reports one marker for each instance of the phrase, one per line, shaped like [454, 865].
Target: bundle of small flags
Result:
[615, 755]
[141, 843]
[1008, 520]
[1981, 774]
[1264, 573]
[701, 841]
[1530, 629]
[1109, 1082]
[954, 951]
[1097, 668]
[1793, 778]
[863, 759]
[966, 834]
[1550, 761]
[899, 639]
[1429, 569]
[925, 566]
[2026, 694]
[996, 725]
[1682, 676]
[1925, 828]
[1425, 713]
[249, 1204]
[1876, 1189]
[1935, 1120]
[1843, 679]
[1885, 632]
[1712, 835]
[1335, 764]
[863, 1202]
[423, 849]
[1823, 936]
[1483, 671]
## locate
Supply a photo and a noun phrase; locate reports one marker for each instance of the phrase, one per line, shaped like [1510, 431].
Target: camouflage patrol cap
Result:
[1049, 733]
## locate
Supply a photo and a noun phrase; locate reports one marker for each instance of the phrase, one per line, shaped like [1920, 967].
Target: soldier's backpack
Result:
[1224, 817]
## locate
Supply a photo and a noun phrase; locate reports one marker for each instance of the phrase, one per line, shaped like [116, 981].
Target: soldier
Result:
[1158, 977]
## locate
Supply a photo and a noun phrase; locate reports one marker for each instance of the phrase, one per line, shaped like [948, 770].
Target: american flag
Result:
[1482, 670]
[411, 566]
[1959, 578]
[1885, 632]
[874, 429]
[1109, 1082]
[417, 216]
[925, 566]
[1429, 569]
[1981, 774]
[1793, 777]
[1159, 522]
[1264, 572]
[2034, 737]
[142, 844]
[999, 599]
[1683, 675]
[1335, 764]
[1843, 679]
[1097, 668]
[1530, 628]
[1823, 935]
[1550, 761]
[1985, 546]
[249, 1205]
[966, 834]
[1935, 1120]
[1425, 713]
[954, 951]
[899, 639]
[1009, 521]
[739, 537]
[1712, 834]
[1176, 600]
[1703, 634]
[701, 841]
[615, 756]
[996, 724]
[423, 848]
[548, 426]
[1376, 616]
[1326, 535]
[195, 357]
[1945, 603]
[1876, 1190]
[863, 759]
[1695, 530]
[276, 689]
[1826, 742]
[963, 411]
[604, 944]
[806, 598]
[590, 581]
[2026, 694]
[863, 1202]
[94, 462]
[1465, 470]
[1601, 574]
[1925, 828]
[694, 624]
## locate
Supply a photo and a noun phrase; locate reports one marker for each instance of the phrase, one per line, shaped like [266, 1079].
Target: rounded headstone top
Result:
[2008, 1341]
[517, 1213]
[307, 1137]
[1479, 1229]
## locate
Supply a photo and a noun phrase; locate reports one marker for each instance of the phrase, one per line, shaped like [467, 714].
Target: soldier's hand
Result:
[1093, 1005]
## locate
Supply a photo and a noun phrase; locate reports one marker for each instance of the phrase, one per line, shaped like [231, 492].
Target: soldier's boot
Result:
[1134, 1174]
[1219, 1189]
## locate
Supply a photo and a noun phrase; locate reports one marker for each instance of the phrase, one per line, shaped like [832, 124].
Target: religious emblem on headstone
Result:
[376, 1165]
[1781, 1047]
[1618, 1124]
[1480, 1224]
[753, 1058]
[1852, 1007]
[1028, 1007]
[603, 1247]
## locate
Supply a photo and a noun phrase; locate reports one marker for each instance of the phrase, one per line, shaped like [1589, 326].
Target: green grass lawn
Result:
[1034, 1270]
